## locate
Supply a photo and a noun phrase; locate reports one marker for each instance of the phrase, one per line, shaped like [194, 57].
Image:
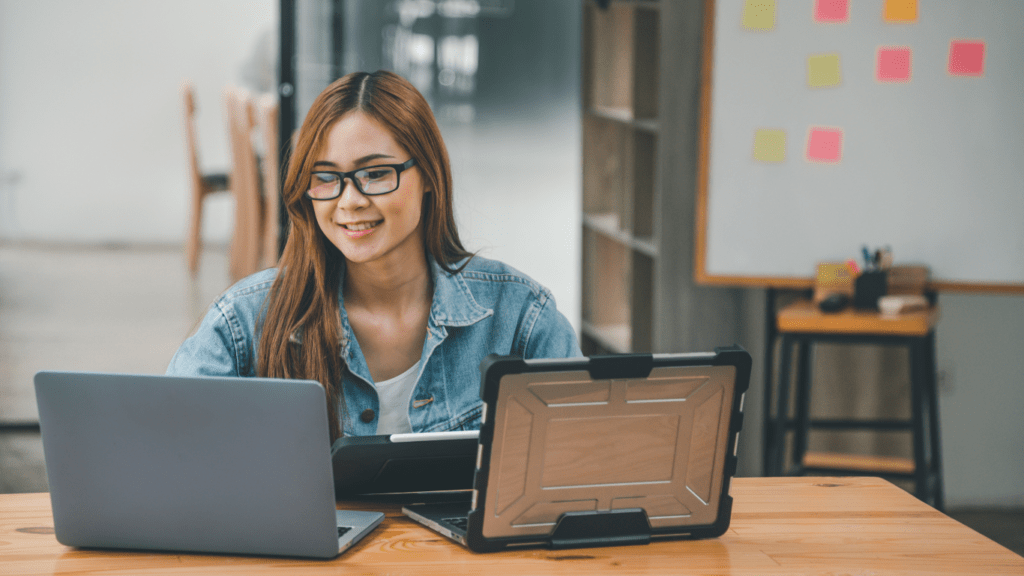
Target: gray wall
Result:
[92, 145]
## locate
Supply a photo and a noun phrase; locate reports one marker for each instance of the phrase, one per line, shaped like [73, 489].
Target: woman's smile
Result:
[360, 229]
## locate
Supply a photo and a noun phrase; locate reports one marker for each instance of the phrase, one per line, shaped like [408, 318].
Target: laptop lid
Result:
[604, 450]
[224, 465]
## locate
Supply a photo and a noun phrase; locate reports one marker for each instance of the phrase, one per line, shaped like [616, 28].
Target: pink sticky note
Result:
[825, 145]
[966, 58]
[831, 10]
[893, 64]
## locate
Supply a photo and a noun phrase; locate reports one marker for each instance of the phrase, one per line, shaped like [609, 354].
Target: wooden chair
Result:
[247, 237]
[202, 184]
[268, 111]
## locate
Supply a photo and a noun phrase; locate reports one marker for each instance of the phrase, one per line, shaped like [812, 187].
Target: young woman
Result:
[375, 296]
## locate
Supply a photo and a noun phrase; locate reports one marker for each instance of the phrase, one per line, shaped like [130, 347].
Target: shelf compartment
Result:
[607, 166]
[619, 164]
[618, 294]
[621, 56]
[607, 267]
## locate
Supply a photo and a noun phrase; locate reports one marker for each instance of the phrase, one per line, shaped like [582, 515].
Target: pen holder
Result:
[868, 288]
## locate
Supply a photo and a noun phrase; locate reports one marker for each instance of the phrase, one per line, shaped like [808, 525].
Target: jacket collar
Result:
[453, 305]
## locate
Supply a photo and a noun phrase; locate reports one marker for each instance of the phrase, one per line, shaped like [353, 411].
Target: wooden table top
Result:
[804, 316]
[807, 526]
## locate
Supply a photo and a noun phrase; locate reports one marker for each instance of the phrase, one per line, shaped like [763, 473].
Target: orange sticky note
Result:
[759, 14]
[900, 11]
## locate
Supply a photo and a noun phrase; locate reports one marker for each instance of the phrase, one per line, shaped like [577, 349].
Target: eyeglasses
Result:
[370, 181]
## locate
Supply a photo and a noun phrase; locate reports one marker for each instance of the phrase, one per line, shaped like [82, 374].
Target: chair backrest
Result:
[246, 240]
[268, 110]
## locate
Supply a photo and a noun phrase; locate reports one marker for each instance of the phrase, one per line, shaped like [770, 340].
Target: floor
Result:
[109, 309]
[121, 309]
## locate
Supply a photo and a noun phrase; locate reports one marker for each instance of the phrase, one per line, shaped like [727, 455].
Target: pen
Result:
[867, 257]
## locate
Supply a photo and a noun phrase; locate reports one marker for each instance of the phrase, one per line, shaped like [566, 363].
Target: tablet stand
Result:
[606, 528]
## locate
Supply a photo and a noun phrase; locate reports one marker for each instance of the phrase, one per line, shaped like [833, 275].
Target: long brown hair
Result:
[301, 336]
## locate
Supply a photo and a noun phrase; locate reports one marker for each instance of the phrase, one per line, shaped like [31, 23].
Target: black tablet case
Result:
[613, 469]
[376, 465]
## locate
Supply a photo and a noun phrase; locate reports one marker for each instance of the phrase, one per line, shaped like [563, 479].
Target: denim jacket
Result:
[488, 307]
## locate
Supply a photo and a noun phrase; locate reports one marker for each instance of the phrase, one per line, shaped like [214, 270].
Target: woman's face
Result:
[370, 228]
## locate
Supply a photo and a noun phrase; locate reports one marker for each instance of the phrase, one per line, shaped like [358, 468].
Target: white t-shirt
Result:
[395, 395]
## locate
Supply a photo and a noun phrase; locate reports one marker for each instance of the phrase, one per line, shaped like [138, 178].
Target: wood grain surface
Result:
[807, 526]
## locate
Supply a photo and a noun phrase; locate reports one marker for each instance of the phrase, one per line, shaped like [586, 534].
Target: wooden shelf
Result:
[645, 4]
[608, 224]
[859, 463]
[615, 338]
[625, 116]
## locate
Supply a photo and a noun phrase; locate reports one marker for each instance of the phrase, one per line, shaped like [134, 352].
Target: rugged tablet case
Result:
[607, 450]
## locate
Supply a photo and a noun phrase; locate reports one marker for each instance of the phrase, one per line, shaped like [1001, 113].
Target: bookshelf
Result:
[620, 150]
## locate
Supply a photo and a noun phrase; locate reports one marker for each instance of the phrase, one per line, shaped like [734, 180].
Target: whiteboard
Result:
[931, 165]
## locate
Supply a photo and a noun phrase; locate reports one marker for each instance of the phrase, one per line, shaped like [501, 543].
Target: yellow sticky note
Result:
[900, 11]
[770, 145]
[759, 14]
[823, 70]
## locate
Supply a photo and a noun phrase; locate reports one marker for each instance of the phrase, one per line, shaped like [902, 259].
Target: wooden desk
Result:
[804, 316]
[801, 325]
[807, 526]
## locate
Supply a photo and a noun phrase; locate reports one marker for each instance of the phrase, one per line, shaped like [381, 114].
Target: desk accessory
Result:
[834, 278]
[834, 303]
[868, 288]
[907, 279]
[894, 305]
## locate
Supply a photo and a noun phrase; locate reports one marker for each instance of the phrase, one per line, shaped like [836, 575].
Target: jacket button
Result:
[367, 416]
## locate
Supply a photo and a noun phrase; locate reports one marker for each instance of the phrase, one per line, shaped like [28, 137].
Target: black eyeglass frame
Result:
[398, 168]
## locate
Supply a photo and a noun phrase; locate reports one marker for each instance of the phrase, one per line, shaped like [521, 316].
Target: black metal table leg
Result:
[768, 429]
[918, 399]
[782, 408]
[938, 489]
[802, 401]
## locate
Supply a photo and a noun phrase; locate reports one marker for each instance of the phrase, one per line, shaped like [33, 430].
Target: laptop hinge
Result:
[607, 528]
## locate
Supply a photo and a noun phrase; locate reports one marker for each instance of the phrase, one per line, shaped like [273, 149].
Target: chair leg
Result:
[194, 240]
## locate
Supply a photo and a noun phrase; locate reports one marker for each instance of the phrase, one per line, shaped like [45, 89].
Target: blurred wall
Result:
[92, 146]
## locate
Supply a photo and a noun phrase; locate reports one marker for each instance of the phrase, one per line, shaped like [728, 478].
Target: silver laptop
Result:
[205, 465]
